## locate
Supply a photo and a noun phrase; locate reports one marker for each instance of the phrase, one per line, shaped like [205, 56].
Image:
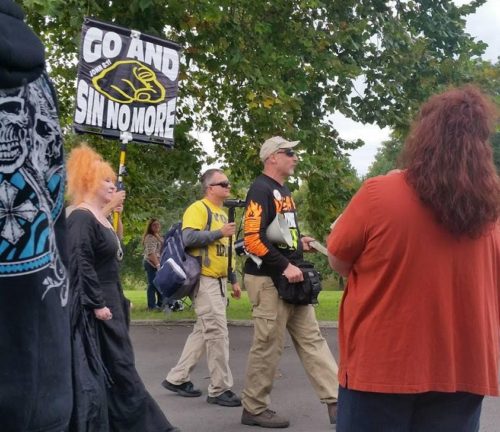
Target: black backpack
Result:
[179, 272]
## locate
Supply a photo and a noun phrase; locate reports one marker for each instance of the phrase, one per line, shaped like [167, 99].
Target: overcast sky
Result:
[483, 25]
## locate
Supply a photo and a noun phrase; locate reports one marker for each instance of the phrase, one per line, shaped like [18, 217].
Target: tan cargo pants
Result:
[209, 334]
[271, 317]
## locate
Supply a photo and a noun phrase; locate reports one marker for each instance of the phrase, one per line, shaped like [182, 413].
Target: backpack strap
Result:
[206, 260]
[209, 217]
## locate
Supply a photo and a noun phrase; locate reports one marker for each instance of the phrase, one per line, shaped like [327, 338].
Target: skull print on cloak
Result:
[31, 184]
[13, 126]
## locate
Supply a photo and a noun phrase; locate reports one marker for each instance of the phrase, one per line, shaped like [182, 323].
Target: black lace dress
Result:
[109, 394]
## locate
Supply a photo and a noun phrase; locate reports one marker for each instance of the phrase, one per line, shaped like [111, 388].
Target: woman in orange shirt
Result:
[419, 323]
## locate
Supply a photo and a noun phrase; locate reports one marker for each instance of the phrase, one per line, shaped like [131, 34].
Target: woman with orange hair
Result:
[109, 394]
[419, 322]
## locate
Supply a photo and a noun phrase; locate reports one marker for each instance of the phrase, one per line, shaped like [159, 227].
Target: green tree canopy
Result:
[495, 142]
[486, 75]
[386, 157]
[256, 68]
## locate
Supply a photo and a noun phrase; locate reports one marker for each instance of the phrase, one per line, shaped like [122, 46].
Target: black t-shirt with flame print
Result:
[265, 199]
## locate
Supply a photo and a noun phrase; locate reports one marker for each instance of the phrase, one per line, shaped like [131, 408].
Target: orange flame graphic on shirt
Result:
[253, 221]
[285, 204]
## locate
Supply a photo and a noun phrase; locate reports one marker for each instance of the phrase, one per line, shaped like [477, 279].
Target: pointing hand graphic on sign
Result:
[139, 83]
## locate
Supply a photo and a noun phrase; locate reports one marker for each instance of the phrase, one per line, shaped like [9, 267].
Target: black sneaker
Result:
[185, 389]
[228, 399]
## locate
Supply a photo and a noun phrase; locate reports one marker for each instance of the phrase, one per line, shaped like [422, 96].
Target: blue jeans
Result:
[153, 295]
[421, 412]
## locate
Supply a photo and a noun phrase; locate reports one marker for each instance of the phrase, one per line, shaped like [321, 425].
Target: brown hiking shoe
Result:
[266, 419]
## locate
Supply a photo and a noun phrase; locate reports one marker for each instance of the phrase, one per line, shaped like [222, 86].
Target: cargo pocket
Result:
[212, 327]
[264, 299]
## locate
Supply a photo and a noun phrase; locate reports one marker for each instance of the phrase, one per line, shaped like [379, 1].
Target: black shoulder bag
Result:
[300, 293]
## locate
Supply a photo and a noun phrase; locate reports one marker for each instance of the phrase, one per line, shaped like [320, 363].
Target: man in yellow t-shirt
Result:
[208, 237]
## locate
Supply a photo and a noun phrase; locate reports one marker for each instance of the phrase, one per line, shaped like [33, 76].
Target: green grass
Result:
[327, 310]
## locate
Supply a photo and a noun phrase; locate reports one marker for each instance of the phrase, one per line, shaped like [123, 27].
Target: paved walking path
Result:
[157, 348]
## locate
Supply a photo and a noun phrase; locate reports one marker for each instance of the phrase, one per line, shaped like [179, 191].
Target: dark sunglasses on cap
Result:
[288, 152]
[224, 184]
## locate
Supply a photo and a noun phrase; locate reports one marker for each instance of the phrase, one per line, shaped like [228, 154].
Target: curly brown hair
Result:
[448, 160]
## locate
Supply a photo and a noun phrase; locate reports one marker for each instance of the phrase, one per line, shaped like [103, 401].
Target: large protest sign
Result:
[127, 83]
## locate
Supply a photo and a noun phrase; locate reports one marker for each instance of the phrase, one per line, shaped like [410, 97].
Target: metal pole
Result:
[231, 216]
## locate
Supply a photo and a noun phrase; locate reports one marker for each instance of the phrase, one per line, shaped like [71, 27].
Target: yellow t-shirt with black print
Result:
[195, 217]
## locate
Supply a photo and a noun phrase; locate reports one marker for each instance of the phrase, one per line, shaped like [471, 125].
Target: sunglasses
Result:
[224, 184]
[287, 152]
